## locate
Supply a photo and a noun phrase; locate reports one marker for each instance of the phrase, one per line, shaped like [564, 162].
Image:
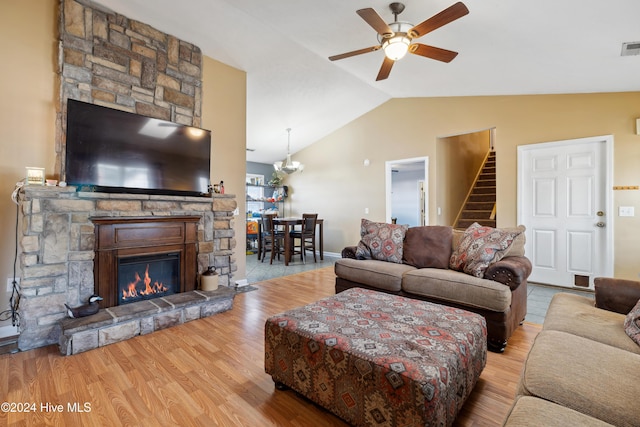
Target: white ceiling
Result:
[505, 47]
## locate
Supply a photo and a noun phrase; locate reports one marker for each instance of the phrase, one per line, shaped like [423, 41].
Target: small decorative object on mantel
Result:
[91, 307]
[219, 188]
[35, 176]
[209, 280]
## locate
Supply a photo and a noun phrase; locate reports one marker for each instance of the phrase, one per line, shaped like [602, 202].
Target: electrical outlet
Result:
[10, 283]
[626, 211]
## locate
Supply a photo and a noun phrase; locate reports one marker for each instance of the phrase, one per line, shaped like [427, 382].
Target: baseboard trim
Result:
[8, 331]
[332, 254]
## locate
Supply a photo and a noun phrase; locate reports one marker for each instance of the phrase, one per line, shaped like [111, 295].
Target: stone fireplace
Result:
[73, 243]
[108, 59]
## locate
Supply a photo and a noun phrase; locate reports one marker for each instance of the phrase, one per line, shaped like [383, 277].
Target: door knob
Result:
[600, 224]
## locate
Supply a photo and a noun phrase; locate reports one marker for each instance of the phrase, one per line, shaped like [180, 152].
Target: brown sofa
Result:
[583, 368]
[500, 295]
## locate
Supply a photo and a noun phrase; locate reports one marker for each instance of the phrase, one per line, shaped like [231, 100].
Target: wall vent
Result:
[630, 48]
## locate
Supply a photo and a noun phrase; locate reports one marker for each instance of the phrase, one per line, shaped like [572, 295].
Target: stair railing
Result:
[471, 188]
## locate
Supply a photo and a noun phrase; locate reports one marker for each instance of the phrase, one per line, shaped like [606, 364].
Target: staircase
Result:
[480, 205]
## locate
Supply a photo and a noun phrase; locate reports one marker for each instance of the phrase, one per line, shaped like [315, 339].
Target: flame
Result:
[132, 289]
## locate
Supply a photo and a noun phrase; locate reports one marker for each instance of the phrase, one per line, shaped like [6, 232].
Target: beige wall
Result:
[27, 111]
[28, 41]
[224, 113]
[337, 185]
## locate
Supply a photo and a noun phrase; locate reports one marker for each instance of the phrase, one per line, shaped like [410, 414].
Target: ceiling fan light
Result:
[277, 166]
[396, 47]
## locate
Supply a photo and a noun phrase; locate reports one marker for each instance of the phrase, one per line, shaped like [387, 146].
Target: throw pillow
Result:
[457, 236]
[381, 241]
[632, 323]
[428, 246]
[480, 247]
[517, 247]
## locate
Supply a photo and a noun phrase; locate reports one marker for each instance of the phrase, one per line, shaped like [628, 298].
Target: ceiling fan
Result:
[396, 38]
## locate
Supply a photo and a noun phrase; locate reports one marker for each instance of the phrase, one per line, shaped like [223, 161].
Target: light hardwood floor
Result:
[207, 372]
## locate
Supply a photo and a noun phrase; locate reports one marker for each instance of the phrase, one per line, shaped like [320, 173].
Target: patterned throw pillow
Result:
[480, 247]
[632, 323]
[381, 241]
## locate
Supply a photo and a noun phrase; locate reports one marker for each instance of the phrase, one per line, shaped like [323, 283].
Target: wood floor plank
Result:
[211, 372]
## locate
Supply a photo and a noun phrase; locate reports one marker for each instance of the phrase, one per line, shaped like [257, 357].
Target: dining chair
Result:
[271, 239]
[306, 237]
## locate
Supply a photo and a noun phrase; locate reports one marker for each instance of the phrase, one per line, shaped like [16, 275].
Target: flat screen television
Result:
[109, 150]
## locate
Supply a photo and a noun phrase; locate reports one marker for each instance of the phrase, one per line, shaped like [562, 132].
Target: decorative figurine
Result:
[91, 307]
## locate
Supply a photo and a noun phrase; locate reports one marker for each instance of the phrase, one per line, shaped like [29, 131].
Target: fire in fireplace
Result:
[148, 276]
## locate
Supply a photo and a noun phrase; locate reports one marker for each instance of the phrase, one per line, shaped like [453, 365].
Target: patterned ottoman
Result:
[376, 359]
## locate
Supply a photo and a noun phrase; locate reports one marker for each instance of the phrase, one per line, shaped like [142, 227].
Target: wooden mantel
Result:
[133, 236]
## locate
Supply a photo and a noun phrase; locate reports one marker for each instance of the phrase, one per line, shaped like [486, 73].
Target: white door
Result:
[422, 203]
[567, 207]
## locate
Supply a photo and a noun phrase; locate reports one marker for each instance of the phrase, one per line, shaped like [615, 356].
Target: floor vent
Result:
[630, 48]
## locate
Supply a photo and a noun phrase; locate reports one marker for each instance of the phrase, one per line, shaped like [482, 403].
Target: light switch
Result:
[626, 211]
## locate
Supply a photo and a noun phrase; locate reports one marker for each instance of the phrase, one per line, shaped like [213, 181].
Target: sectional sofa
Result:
[584, 366]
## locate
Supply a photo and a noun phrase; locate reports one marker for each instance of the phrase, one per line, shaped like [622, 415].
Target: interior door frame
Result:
[608, 187]
[388, 167]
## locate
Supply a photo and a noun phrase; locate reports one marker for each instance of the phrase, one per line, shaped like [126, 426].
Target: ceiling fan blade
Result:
[436, 53]
[448, 15]
[377, 23]
[385, 69]
[354, 53]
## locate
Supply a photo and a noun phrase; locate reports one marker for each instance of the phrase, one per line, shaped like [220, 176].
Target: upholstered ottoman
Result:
[377, 359]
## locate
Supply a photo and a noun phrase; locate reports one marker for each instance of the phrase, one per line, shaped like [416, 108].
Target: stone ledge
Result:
[122, 322]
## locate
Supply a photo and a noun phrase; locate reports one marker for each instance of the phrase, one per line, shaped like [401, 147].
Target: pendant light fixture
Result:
[287, 166]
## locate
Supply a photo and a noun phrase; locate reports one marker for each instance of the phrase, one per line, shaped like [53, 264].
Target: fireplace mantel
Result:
[56, 248]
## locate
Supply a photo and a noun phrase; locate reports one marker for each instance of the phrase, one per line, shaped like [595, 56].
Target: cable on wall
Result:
[14, 301]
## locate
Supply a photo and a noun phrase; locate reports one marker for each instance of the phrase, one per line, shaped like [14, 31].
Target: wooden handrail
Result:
[475, 181]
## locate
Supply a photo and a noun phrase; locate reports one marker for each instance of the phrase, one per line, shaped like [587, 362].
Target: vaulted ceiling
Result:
[505, 48]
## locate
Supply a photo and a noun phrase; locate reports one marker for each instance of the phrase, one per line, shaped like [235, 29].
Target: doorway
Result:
[459, 158]
[565, 200]
[406, 191]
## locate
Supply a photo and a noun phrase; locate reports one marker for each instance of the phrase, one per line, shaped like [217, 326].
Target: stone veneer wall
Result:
[110, 60]
[57, 247]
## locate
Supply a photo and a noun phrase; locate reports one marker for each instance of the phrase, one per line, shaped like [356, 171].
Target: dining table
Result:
[287, 225]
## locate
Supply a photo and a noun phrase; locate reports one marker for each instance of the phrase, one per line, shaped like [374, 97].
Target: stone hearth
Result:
[56, 250]
[123, 322]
